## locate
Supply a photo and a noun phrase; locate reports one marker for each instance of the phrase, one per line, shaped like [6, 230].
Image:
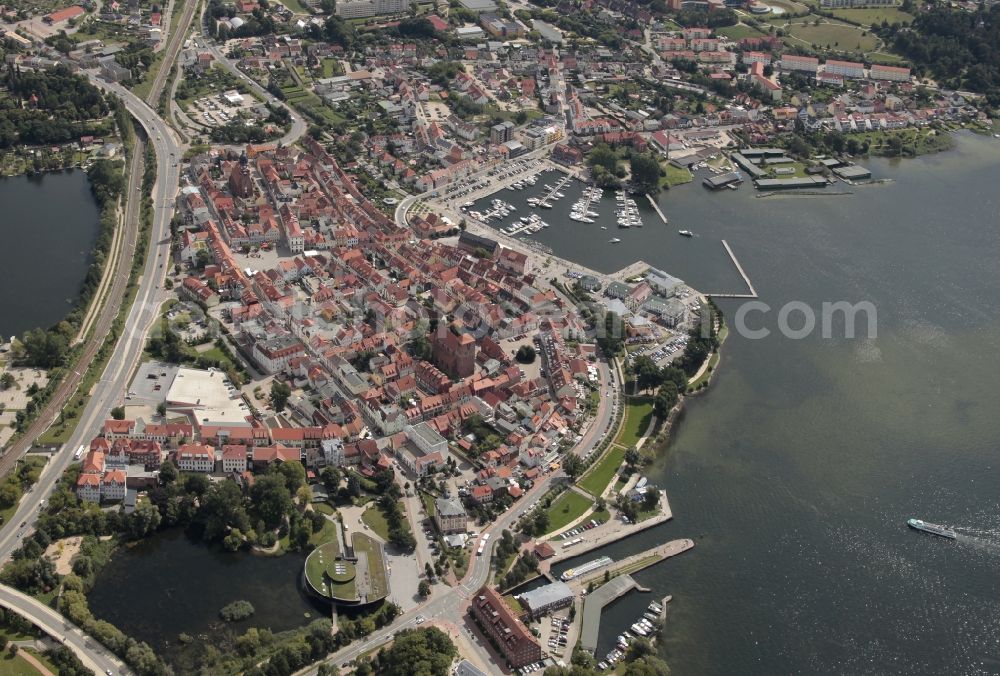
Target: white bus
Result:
[79, 452]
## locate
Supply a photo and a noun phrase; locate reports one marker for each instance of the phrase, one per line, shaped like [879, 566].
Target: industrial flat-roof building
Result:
[852, 172]
[547, 598]
[479, 6]
[209, 397]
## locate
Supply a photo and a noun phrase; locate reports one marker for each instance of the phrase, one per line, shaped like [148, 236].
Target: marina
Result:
[620, 584]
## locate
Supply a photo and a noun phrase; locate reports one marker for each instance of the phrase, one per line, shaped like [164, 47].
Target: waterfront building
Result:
[516, 643]
[547, 598]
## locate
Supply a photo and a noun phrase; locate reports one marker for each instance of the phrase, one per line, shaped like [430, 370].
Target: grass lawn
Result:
[375, 520]
[638, 413]
[874, 15]
[328, 68]
[677, 175]
[326, 534]
[601, 516]
[597, 479]
[16, 666]
[428, 501]
[840, 36]
[376, 565]
[296, 6]
[567, 508]
[324, 508]
[739, 31]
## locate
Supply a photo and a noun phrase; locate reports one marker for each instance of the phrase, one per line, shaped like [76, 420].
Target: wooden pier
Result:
[656, 208]
[739, 269]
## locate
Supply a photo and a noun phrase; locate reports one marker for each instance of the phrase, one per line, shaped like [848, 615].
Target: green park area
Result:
[638, 414]
[740, 31]
[676, 175]
[829, 35]
[869, 16]
[375, 519]
[599, 476]
[566, 509]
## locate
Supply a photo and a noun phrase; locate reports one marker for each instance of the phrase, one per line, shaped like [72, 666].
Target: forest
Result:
[47, 107]
[957, 47]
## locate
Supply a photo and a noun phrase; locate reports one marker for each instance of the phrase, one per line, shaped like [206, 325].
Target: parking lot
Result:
[507, 173]
[220, 109]
[151, 383]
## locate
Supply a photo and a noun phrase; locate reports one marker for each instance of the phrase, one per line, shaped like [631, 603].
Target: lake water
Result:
[168, 585]
[49, 226]
[796, 472]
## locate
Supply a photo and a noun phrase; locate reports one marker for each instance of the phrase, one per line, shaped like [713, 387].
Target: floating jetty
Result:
[656, 208]
[739, 269]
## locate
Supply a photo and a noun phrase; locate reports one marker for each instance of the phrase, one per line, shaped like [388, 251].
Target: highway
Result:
[92, 654]
[108, 391]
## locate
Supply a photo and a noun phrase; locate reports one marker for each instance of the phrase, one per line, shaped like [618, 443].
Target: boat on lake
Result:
[932, 528]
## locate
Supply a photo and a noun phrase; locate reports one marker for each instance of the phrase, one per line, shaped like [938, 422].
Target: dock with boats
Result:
[619, 585]
[627, 211]
[581, 211]
[554, 193]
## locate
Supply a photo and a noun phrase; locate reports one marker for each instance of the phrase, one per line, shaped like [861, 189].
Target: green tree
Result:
[572, 465]
[271, 499]
[280, 392]
[525, 354]
[424, 588]
[417, 651]
[645, 172]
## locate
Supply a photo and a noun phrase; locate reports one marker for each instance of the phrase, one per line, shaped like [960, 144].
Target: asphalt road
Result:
[448, 603]
[107, 392]
[91, 653]
[299, 125]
